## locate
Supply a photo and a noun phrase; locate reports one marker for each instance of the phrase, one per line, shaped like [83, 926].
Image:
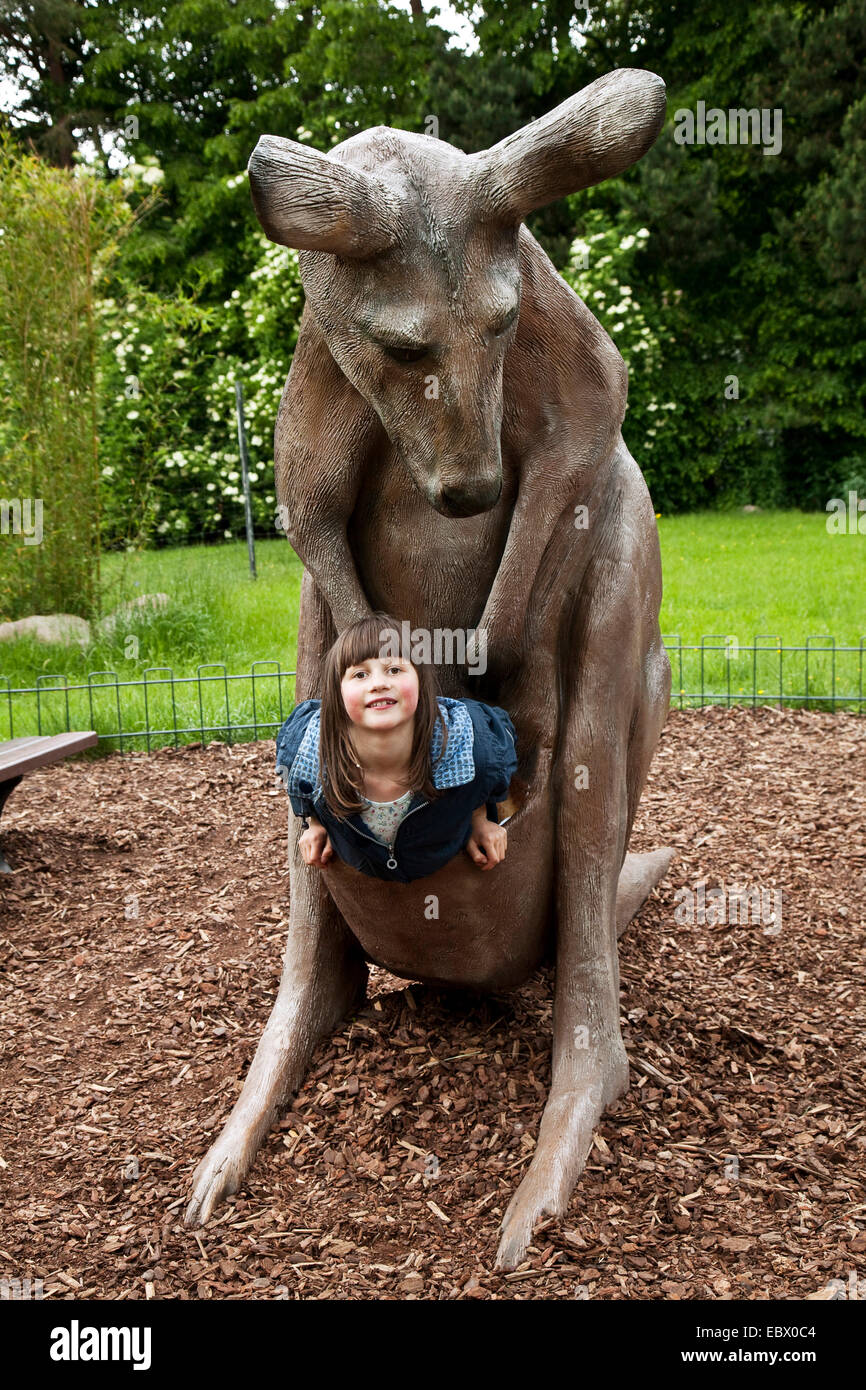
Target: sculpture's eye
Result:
[405, 354]
[506, 323]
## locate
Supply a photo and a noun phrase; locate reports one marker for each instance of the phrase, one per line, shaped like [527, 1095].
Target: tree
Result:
[60, 231]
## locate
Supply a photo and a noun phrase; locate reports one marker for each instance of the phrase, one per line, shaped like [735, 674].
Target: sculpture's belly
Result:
[434, 570]
[487, 929]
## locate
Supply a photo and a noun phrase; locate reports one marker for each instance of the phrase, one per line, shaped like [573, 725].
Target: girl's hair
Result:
[378, 635]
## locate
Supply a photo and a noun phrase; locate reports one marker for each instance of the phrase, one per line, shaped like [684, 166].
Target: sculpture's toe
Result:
[220, 1173]
[536, 1197]
[638, 877]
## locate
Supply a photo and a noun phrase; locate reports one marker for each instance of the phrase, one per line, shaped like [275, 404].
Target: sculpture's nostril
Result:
[457, 501]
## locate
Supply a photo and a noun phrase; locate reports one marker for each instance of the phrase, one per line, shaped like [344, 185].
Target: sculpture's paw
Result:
[221, 1172]
[563, 1146]
[537, 1196]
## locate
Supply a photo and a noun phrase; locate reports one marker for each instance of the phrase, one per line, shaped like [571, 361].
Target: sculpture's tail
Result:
[638, 877]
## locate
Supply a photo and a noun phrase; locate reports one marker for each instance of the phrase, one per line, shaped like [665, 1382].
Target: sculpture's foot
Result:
[638, 877]
[564, 1143]
[316, 992]
[221, 1172]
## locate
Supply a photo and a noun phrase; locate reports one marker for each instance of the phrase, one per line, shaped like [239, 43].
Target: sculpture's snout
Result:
[465, 500]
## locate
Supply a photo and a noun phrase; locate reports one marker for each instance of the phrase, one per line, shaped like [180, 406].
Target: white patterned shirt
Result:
[383, 817]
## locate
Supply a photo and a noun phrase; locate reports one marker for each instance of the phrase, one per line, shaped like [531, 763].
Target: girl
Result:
[390, 777]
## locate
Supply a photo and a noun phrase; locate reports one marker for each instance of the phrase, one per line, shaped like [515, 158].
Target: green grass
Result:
[217, 617]
[733, 574]
[761, 572]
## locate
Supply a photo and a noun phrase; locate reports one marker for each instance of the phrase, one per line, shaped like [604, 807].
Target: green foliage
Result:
[152, 350]
[170, 461]
[752, 268]
[58, 234]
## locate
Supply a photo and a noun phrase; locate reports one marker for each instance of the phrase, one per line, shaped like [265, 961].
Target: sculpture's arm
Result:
[322, 441]
[567, 384]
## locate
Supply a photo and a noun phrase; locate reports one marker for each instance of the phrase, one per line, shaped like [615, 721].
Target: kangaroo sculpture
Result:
[452, 411]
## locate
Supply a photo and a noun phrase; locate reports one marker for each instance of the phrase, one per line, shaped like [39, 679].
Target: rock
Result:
[145, 606]
[750, 508]
[53, 627]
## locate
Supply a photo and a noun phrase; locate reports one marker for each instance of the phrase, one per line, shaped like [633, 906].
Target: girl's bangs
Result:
[363, 642]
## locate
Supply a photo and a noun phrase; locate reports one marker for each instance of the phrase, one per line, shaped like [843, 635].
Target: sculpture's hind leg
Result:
[324, 978]
[618, 693]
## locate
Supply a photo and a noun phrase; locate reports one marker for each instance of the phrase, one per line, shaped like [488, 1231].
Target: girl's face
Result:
[380, 694]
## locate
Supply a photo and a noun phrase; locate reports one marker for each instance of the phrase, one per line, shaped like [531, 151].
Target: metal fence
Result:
[163, 708]
[829, 675]
[160, 708]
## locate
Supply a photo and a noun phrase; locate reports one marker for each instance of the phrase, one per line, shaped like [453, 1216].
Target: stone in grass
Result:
[146, 606]
[51, 627]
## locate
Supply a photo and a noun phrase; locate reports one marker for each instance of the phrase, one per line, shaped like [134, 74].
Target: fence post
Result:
[245, 475]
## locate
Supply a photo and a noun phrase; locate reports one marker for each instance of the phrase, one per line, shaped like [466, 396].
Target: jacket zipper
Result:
[391, 863]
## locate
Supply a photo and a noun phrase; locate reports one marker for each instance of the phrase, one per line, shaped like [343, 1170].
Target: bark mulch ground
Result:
[140, 947]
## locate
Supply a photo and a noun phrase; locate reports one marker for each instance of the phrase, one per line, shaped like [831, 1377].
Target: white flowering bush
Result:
[601, 270]
[598, 268]
[169, 456]
[257, 334]
[152, 446]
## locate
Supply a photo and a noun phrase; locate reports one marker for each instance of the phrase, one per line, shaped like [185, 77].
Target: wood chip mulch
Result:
[140, 946]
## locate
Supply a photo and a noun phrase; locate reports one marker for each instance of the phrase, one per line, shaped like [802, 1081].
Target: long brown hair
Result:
[341, 777]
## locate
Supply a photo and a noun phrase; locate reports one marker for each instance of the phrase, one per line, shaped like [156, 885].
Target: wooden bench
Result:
[20, 755]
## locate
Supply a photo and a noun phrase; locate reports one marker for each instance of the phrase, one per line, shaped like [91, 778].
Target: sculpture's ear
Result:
[306, 200]
[592, 136]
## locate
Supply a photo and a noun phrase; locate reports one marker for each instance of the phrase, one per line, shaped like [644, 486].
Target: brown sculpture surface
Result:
[449, 450]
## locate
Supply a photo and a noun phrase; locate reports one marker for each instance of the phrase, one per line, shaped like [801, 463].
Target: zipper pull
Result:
[392, 862]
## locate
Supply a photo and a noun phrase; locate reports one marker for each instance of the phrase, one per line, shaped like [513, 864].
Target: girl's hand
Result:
[315, 845]
[487, 843]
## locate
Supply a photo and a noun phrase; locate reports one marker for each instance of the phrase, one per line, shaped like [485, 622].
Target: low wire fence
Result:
[159, 708]
[162, 708]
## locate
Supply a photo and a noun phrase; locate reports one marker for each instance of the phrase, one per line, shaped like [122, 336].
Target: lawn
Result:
[761, 572]
[218, 623]
[732, 575]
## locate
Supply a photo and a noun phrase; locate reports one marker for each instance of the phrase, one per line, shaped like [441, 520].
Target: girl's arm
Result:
[315, 843]
[487, 841]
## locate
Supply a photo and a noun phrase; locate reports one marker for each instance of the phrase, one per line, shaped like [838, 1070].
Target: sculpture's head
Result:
[410, 263]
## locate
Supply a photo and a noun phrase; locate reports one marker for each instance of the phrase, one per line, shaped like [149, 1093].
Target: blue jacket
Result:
[479, 763]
